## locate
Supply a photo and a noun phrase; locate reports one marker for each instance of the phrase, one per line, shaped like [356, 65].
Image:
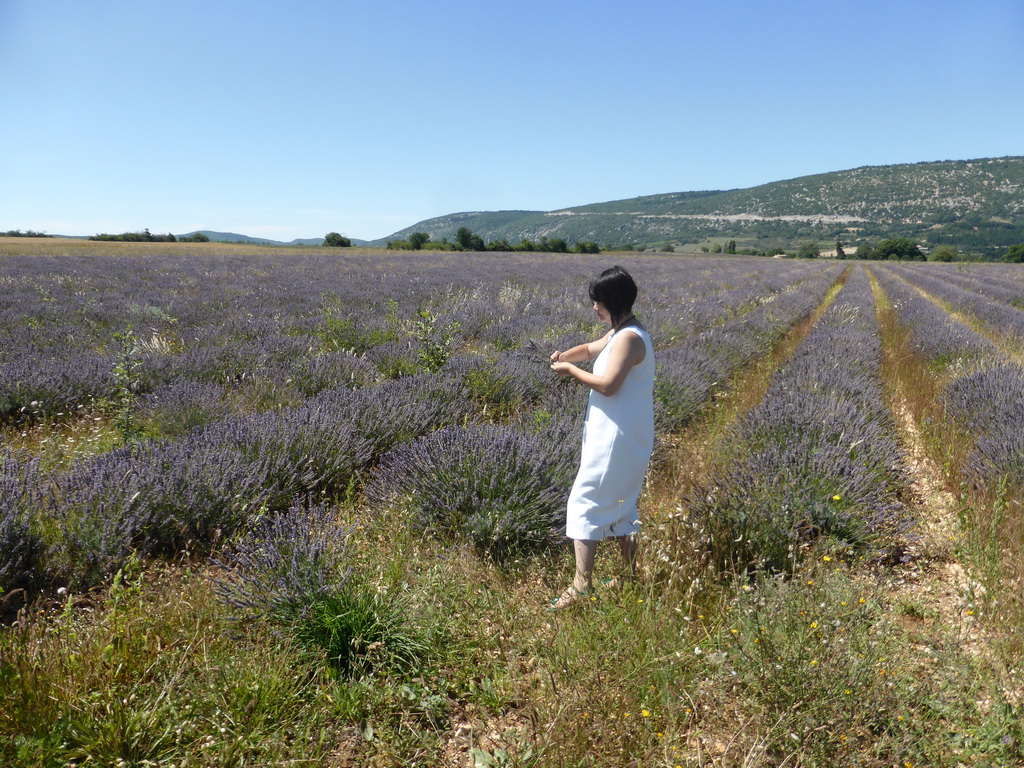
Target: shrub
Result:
[1014, 254]
[284, 563]
[292, 569]
[336, 240]
[20, 546]
[333, 370]
[182, 406]
[499, 489]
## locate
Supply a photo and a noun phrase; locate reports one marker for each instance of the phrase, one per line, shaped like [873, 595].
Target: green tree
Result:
[944, 253]
[898, 249]
[467, 241]
[730, 247]
[808, 250]
[1014, 254]
[864, 251]
[335, 240]
[840, 253]
[417, 240]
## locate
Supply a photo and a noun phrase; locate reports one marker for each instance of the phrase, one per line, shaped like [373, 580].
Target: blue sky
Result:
[293, 119]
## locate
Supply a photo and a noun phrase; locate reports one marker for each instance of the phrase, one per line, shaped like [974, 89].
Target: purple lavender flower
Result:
[502, 490]
[285, 562]
[20, 544]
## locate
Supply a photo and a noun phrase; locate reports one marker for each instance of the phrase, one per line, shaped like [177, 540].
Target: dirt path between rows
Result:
[932, 589]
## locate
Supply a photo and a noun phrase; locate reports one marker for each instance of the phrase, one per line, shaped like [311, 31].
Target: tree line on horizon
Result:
[467, 240]
[145, 236]
[27, 233]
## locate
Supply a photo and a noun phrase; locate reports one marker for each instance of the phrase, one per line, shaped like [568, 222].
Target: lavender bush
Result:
[502, 490]
[293, 569]
[501, 384]
[819, 456]
[176, 408]
[101, 520]
[20, 545]
[45, 388]
[690, 371]
[284, 563]
[983, 392]
[999, 317]
[333, 370]
[989, 403]
[937, 338]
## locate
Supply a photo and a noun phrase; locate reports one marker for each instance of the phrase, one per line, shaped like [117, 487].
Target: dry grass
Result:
[66, 246]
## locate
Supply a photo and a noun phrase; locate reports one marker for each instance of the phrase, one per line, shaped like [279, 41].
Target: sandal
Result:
[570, 597]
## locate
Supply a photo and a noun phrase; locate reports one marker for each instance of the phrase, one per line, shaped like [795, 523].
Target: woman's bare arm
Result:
[628, 350]
[586, 351]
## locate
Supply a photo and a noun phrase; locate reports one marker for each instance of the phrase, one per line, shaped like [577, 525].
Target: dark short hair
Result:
[615, 289]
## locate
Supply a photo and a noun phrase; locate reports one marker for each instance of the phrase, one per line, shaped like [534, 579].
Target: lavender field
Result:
[354, 467]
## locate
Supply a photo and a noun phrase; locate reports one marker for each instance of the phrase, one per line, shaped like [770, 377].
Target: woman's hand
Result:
[562, 369]
[556, 357]
[624, 354]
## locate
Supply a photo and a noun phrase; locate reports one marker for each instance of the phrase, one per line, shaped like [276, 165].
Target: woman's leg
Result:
[627, 546]
[581, 580]
[585, 552]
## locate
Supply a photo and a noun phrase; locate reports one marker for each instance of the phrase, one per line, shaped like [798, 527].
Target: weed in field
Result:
[436, 343]
[158, 675]
[293, 569]
[361, 630]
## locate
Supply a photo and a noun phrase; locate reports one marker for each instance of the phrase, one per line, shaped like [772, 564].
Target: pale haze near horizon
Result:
[291, 120]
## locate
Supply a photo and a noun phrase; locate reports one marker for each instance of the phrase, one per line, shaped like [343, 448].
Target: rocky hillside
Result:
[976, 205]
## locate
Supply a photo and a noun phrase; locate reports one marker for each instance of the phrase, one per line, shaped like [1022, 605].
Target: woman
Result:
[618, 435]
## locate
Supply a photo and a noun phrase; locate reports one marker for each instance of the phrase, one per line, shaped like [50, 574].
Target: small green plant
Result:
[343, 330]
[502, 758]
[128, 382]
[360, 630]
[436, 345]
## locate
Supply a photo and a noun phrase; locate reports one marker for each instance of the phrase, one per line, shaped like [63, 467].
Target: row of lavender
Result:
[983, 389]
[503, 487]
[994, 298]
[818, 457]
[160, 496]
[278, 330]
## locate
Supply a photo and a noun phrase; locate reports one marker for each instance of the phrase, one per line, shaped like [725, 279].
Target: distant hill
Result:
[976, 205]
[233, 237]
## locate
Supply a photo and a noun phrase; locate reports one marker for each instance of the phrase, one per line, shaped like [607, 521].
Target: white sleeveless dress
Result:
[618, 438]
